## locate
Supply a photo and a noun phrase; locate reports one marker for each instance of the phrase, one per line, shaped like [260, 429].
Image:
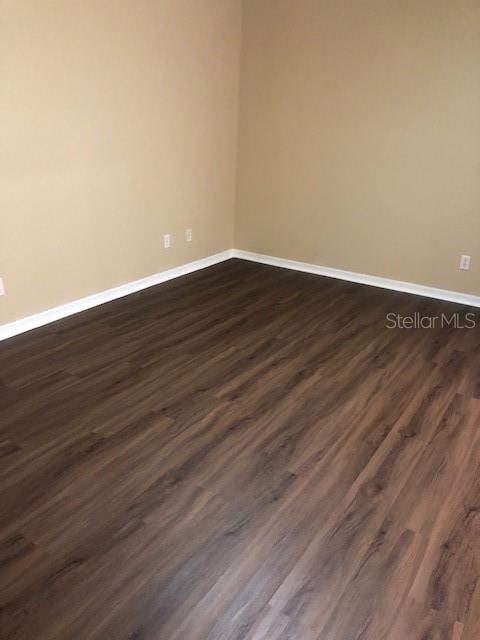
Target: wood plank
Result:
[244, 453]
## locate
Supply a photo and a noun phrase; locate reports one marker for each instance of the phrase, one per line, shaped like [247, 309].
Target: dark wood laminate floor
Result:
[243, 453]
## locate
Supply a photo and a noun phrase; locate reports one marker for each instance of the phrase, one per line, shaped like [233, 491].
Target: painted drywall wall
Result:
[118, 123]
[360, 136]
[359, 139]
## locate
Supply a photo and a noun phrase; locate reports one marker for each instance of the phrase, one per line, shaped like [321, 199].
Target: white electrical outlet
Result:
[465, 263]
[188, 235]
[2, 288]
[167, 241]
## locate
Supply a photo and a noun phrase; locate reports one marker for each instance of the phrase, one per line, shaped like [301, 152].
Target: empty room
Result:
[239, 319]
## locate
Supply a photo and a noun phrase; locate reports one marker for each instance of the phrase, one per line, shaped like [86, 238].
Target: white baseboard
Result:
[46, 317]
[65, 310]
[361, 278]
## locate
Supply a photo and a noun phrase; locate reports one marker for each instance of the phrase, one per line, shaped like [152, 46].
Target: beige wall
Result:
[360, 136]
[359, 139]
[118, 123]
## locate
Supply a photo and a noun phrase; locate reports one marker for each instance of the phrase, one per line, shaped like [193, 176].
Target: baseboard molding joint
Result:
[77, 306]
